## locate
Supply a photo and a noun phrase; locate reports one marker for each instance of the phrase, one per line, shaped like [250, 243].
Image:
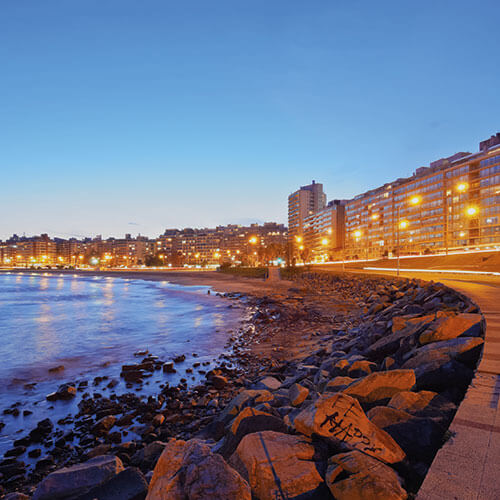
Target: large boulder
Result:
[381, 385]
[367, 478]
[278, 466]
[412, 401]
[189, 470]
[463, 349]
[297, 394]
[402, 322]
[268, 383]
[420, 438]
[246, 397]
[78, 479]
[402, 328]
[340, 419]
[338, 384]
[129, 484]
[450, 327]
[443, 375]
[382, 416]
[248, 421]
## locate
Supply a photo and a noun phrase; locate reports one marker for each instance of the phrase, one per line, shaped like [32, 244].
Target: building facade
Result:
[453, 204]
[324, 232]
[303, 203]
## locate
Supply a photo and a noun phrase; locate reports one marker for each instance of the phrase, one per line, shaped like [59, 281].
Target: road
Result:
[466, 467]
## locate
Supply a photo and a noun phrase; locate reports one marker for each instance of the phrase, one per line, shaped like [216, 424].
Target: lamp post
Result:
[324, 244]
[401, 225]
[357, 235]
[253, 241]
[471, 212]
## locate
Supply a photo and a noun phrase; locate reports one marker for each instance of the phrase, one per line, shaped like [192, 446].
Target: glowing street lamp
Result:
[462, 187]
[415, 200]
[471, 211]
[375, 216]
[357, 234]
[252, 240]
[403, 224]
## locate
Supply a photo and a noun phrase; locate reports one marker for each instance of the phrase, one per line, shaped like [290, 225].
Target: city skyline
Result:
[118, 118]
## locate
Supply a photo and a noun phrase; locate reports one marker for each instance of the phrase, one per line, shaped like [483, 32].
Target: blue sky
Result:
[124, 116]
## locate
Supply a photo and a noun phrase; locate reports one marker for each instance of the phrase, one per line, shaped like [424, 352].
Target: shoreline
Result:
[314, 336]
[219, 282]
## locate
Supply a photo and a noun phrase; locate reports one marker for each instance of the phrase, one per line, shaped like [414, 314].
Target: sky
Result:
[123, 116]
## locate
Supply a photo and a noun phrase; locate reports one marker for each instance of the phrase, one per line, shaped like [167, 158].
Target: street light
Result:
[472, 212]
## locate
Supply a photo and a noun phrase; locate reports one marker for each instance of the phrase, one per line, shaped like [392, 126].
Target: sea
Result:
[91, 326]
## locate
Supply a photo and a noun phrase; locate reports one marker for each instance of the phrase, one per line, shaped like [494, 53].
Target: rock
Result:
[248, 421]
[381, 385]
[78, 479]
[338, 384]
[412, 401]
[146, 457]
[298, 394]
[34, 453]
[158, 419]
[402, 322]
[278, 465]
[463, 349]
[382, 416]
[169, 367]
[180, 359]
[189, 470]
[340, 419]
[245, 398]
[360, 368]
[440, 375]
[367, 478]
[103, 425]
[41, 431]
[16, 496]
[342, 364]
[65, 392]
[268, 383]
[420, 438]
[218, 381]
[99, 450]
[130, 484]
[16, 451]
[450, 327]
[56, 369]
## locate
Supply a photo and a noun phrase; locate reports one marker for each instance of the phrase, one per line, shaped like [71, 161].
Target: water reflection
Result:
[50, 319]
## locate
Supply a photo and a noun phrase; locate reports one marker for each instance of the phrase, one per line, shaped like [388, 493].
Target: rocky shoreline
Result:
[342, 387]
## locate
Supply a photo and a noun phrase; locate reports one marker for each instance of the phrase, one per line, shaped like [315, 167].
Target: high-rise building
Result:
[301, 204]
[324, 232]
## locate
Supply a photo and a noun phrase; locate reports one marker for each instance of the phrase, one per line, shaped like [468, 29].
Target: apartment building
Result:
[323, 232]
[452, 204]
[301, 204]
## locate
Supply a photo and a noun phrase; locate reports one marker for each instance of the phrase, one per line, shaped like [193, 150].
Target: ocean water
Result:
[91, 326]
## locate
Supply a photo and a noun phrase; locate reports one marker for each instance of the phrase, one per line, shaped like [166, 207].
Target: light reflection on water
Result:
[46, 321]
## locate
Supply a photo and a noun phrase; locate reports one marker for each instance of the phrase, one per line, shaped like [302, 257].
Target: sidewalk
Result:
[467, 467]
